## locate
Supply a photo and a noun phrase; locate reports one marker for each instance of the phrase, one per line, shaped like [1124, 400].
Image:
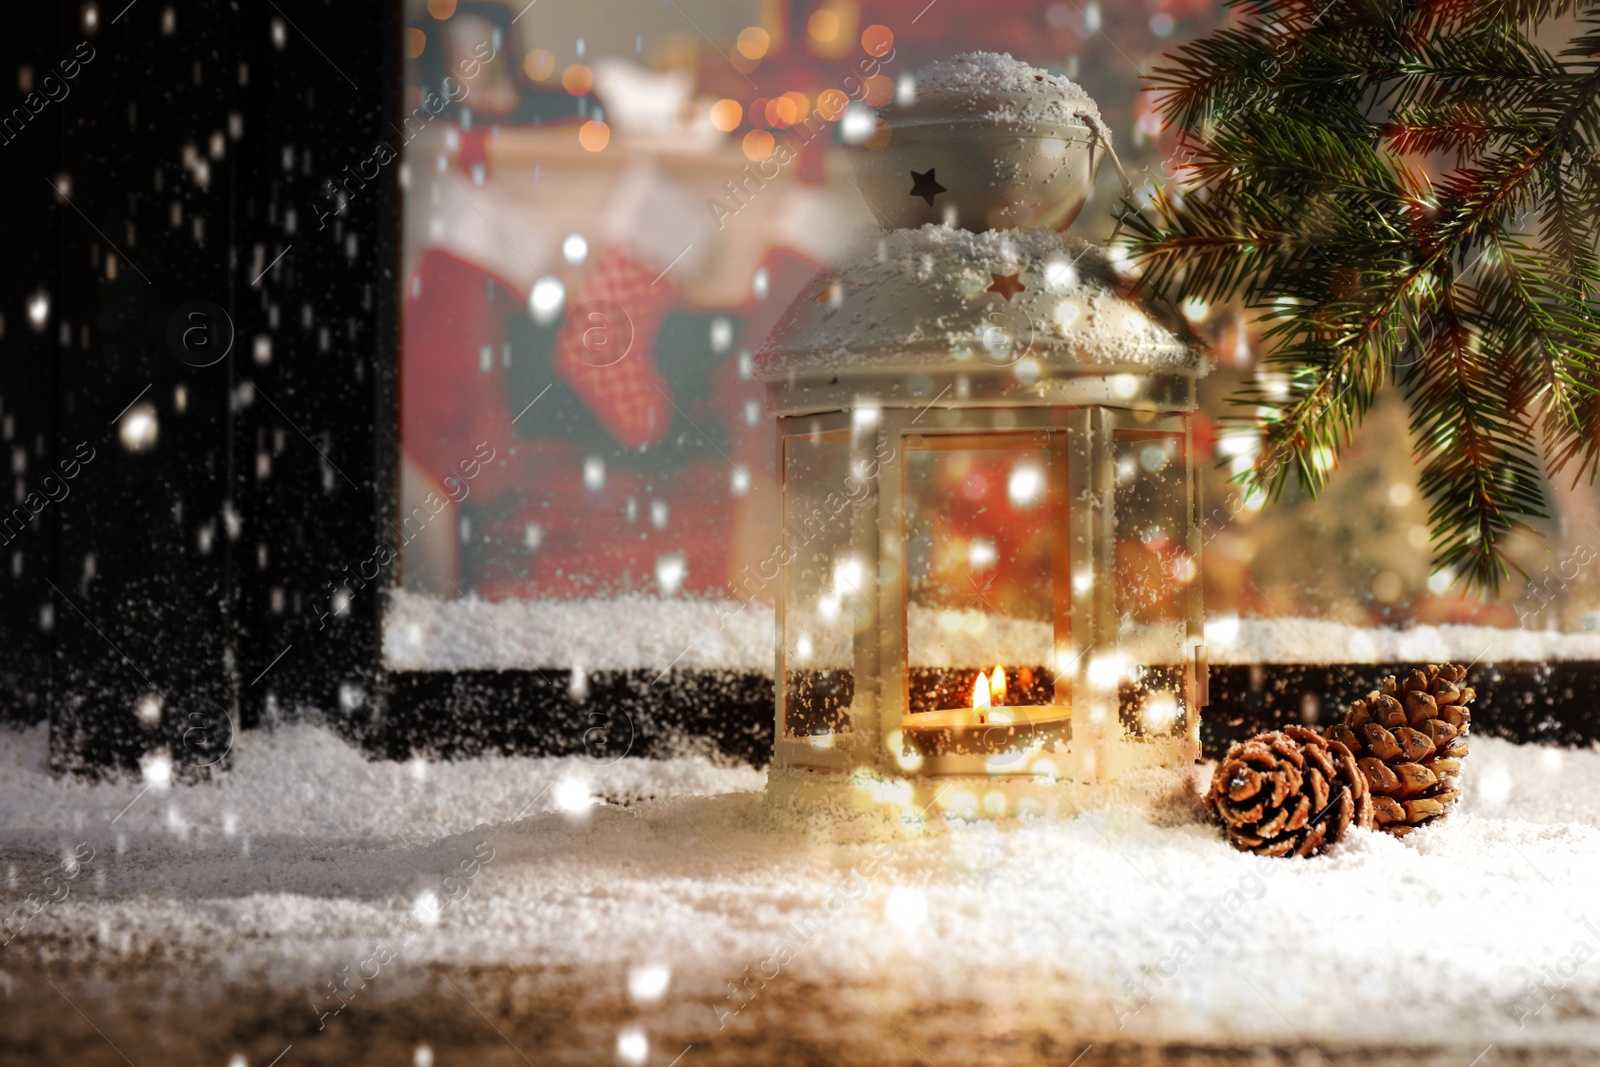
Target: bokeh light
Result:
[877, 39]
[801, 102]
[726, 115]
[823, 26]
[753, 42]
[539, 64]
[594, 135]
[758, 145]
[781, 112]
[831, 104]
[577, 79]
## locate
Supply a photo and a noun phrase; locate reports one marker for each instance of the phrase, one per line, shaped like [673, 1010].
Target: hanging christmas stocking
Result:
[605, 349]
[454, 393]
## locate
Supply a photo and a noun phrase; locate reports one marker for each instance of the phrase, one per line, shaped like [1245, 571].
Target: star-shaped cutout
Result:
[1006, 285]
[925, 186]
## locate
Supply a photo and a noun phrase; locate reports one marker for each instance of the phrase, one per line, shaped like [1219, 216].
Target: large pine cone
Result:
[1288, 792]
[1409, 740]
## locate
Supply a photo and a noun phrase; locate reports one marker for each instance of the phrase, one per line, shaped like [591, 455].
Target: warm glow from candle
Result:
[997, 685]
[980, 692]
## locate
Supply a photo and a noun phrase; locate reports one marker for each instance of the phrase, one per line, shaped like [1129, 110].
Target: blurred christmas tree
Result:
[1407, 191]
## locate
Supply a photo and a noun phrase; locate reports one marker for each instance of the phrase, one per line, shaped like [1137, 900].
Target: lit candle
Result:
[987, 723]
[988, 698]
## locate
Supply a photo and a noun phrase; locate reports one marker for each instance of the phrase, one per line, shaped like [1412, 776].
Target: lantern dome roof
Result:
[996, 88]
[939, 298]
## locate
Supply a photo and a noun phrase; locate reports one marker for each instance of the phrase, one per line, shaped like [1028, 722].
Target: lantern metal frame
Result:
[882, 419]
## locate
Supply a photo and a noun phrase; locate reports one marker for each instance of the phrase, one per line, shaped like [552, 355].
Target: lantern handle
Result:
[1102, 139]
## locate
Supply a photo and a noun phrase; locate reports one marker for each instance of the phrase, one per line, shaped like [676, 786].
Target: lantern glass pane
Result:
[985, 565]
[826, 596]
[1154, 569]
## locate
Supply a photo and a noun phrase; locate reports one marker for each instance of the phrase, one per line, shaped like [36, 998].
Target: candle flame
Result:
[980, 692]
[997, 685]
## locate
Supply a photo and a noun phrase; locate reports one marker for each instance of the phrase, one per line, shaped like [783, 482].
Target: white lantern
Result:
[990, 560]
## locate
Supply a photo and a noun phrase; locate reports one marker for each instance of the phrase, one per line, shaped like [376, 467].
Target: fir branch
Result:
[1462, 128]
[1481, 479]
[1295, 127]
[1527, 320]
[1480, 14]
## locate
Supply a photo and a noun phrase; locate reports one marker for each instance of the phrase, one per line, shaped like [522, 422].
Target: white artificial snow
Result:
[1005, 90]
[633, 632]
[304, 855]
[651, 633]
[918, 299]
[304, 778]
[1303, 640]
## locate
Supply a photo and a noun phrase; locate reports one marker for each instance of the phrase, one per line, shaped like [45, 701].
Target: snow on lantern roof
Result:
[995, 87]
[1007, 301]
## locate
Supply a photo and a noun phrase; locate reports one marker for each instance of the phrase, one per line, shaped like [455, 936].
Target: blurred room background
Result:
[608, 204]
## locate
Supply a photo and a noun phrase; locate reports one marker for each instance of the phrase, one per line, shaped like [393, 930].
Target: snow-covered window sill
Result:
[633, 633]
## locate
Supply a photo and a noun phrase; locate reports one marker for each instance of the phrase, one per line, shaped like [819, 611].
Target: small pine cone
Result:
[1288, 792]
[1409, 739]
